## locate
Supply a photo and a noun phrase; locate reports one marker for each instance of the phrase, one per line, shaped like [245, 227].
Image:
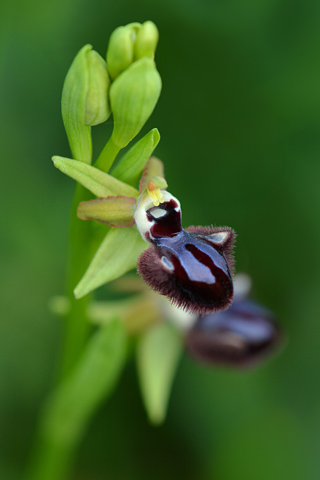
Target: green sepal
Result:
[97, 107]
[158, 354]
[72, 405]
[114, 211]
[74, 95]
[120, 53]
[133, 96]
[146, 41]
[99, 183]
[131, 165]
[117, 254]
[153, 168]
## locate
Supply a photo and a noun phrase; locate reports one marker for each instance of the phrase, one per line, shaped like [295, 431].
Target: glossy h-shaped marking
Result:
[189, 266]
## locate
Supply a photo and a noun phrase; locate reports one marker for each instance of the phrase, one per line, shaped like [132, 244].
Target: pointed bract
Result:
[99, 183]
[133, 96]
[117, 254]
[131, 165]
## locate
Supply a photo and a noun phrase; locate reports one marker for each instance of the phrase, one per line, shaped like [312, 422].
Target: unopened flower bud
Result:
[84, 101]
[133, 96]
[97, 108]
[147, 40]
[120, 53]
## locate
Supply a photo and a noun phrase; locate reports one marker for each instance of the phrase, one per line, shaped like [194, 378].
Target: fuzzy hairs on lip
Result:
[193, 268]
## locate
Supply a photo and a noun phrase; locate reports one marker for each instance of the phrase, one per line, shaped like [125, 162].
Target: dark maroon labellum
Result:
[192, 267]
[239, 337]
[169, 224]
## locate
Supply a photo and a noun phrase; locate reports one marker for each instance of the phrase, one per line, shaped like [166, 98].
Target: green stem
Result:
[52, 460]
[77, 326]
[107, 156]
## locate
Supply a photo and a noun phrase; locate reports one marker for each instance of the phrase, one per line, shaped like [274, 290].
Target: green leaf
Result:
[74, 95]
[133, 96]
[94, 378]
[99, 183]
[131, 165]
[158, 354]
[117, 255]
[113, 211]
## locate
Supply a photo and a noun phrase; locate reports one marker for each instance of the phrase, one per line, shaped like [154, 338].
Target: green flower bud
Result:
[133, 96]
[84, 101]
[97, 108]
[147, 40]
[120, 53]
[99, 183]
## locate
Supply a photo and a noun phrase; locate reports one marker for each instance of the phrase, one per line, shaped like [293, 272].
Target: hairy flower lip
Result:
[193, 267]
[191, 295]
[228, 246]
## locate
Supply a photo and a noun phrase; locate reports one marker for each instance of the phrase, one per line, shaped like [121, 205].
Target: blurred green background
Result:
[239, 117]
